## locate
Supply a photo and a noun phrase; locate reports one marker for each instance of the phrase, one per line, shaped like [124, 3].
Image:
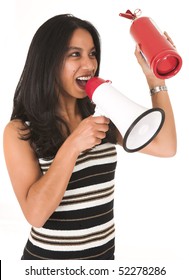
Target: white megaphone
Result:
[137, 125]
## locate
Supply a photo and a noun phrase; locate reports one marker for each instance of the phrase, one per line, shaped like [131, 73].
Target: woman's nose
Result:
[89, 63]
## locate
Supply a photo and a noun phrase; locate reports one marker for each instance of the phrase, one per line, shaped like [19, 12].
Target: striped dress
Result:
[82, 227]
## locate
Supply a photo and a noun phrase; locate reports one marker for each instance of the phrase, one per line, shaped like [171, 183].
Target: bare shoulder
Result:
[13, 132]
[14, 146]
[14, 126]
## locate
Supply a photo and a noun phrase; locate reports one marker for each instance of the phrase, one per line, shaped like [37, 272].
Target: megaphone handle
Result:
[98, 112]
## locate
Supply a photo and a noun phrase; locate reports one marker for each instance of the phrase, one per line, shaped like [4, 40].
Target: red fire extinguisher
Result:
[161, 55]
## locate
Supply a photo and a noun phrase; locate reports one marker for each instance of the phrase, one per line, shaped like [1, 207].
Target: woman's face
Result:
[79, 65]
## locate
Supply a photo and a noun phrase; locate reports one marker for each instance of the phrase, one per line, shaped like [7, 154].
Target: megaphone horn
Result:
[137, 124]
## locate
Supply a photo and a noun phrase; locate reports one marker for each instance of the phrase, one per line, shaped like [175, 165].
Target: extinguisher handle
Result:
[128, 14]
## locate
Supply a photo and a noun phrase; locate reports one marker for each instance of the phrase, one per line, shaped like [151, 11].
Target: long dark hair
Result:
[35, 99]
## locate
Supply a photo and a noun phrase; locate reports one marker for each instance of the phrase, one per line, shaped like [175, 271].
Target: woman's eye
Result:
[93, 54]
[75, 54]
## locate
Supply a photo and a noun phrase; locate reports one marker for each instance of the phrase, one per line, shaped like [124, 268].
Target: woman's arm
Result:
[39, 195]
[165, 143]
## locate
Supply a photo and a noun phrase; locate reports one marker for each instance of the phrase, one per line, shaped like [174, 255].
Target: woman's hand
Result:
[151, 78]
[142, 61]
[169, 39]
[89, 133]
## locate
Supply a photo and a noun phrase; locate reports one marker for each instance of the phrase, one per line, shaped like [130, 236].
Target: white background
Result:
[151, 198]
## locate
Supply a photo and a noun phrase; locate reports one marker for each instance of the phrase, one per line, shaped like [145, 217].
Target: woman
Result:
[61, 160]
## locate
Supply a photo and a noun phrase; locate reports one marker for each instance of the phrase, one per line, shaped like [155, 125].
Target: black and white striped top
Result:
[82, 227]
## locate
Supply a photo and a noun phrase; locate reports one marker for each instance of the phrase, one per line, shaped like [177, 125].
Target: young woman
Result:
[61, 159]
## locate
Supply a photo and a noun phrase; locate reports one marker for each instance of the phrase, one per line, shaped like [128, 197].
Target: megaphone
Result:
[161, 55]
[137, 124]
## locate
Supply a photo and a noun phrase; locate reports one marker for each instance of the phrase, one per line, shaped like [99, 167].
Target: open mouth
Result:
[81, 81]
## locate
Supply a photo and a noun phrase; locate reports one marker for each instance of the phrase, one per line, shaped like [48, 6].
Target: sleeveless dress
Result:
[82, 226]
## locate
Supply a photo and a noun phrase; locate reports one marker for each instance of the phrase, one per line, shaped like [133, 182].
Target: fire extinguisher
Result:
[161, 55]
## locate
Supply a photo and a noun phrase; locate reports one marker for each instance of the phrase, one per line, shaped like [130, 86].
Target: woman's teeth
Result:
[84, 78]
[82, 81]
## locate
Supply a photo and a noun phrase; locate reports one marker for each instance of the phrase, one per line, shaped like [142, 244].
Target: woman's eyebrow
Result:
[78, 48]
[74, 48]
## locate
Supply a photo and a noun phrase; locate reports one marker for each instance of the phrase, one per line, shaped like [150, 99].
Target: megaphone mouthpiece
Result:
[92, 85]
